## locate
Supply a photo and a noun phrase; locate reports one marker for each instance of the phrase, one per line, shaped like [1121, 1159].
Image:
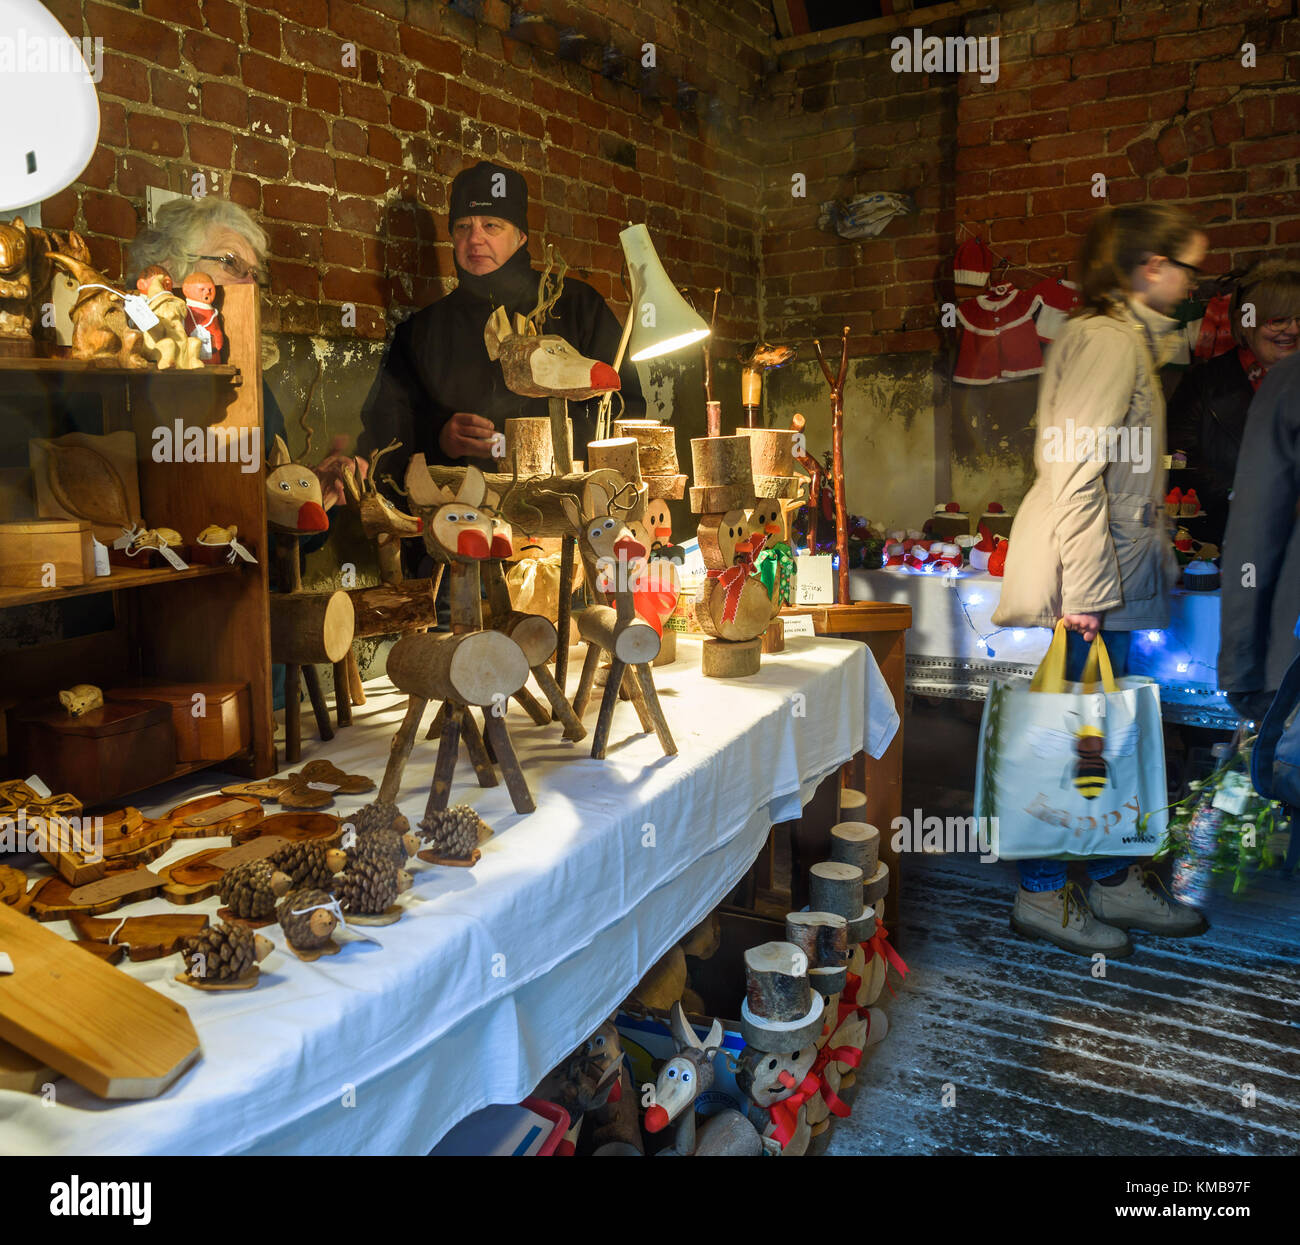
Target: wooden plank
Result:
[112, 1035]
[122, 579]
[880, 25]
[225, 372]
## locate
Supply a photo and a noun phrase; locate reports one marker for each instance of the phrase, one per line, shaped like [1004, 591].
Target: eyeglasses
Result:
[237, 268]
[1192, 268]
[1278, 323]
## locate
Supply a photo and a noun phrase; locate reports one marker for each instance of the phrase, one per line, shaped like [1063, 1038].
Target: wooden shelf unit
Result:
[208, 624]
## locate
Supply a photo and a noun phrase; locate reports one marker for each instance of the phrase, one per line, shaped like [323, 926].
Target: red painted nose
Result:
[629, 548]
[656, 1119]
[471, 543]
[772, 529]
[663, 533]
[603, 376]
[786, 1078]
[419, 524]
[501, 546]
[312, 518]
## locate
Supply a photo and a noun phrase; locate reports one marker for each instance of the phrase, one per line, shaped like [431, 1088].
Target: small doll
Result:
[202, 319]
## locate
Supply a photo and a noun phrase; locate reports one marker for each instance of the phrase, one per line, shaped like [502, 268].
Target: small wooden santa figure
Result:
[202, 319]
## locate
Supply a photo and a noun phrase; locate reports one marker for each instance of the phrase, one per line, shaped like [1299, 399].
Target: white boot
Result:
[1063, 917]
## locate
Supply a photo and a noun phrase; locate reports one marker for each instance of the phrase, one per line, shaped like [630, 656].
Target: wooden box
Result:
[222, 730]
[101, 755]
[26, 546]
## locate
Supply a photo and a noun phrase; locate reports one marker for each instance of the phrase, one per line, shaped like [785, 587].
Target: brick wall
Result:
[348, 164]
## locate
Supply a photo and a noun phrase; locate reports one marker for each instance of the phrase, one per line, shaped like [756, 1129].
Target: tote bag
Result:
[1067, 770]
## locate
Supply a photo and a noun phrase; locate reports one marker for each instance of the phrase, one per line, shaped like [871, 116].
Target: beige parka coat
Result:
[1091, 536]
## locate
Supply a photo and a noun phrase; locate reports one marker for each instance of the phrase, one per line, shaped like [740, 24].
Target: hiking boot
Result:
[1063, 917]
[1138, 903]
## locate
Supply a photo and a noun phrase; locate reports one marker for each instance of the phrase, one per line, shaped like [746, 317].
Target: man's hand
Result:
[466, 435]
[1087, 625]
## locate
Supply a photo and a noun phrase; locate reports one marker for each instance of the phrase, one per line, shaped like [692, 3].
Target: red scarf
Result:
[1254, 369]
[785, 1114]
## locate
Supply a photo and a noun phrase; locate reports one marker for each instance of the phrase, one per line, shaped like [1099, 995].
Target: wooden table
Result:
[882, 627]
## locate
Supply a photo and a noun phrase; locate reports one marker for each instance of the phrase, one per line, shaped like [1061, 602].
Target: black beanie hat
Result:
[489, 189]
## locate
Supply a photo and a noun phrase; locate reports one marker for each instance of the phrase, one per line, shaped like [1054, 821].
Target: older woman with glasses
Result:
[1207, 413]
[208, 233]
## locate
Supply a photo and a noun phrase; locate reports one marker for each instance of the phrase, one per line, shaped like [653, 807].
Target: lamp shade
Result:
[662, 320]
[48, 102]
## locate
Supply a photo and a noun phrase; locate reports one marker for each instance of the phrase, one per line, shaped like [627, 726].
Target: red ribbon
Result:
[879, 944]
[654, 606]
[732, 581]
[785, 1114]
[839, 1054]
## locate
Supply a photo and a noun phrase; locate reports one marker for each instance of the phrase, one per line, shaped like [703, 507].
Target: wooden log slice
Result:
[821, 936]
[667, 488]
[773, 639]
[778, 486]
[852, 804]
[876, 886]
[212, 815]
[722, 461]
[528, 446]
[723, 659]
[828, 981]
[657, 442]
[771, 450]
[776, 981]
[616, 454]
[296, 827]
[534, 633]
[864, 926]
[311, 628]
[477, 668]
[782, 1037]
[718, 498]
[856, 843]
[836, 887]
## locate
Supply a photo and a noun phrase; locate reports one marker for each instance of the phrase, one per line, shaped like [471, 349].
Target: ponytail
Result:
[1120, 239]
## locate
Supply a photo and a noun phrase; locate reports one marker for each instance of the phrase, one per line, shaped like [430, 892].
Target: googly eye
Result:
[600, 1041]
[469, 516]
[451, 516]
[303, 484]
[608, 525]
[686, 1078]
[285, 486]
[672, 1074]
[594, 534]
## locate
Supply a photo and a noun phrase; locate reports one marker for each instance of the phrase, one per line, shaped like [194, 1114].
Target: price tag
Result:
[6, 964]
[797, 624]
[127, 537]
[34, 782]
[237, 549]
[177, 562]
[814, 579]
[323, 786]
[138, 310]
[102, 566]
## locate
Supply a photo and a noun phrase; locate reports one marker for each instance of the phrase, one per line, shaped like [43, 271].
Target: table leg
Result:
[342, 695]
[883, 779]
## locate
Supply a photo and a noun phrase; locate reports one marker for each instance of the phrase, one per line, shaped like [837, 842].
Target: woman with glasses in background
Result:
[1207, 413]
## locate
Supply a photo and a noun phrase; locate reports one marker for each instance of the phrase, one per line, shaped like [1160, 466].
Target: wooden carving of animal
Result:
[101, 333]
[469, 667]
[81, 698]
[680, 1082]
[16, 253]
[544, 365]
[630, 630]
[293, 496]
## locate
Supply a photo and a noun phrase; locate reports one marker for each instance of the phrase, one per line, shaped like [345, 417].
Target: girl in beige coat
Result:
[1090, 543]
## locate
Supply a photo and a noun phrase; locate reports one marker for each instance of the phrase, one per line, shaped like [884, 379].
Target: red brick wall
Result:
[348, 168]
[1150, 93]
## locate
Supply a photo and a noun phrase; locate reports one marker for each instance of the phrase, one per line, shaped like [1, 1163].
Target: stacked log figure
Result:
[396, 606]
[470, 667]
[732, 605]
[657, 456]
[630, 630]
[774, 562]
[308, 629]
[780, 1020]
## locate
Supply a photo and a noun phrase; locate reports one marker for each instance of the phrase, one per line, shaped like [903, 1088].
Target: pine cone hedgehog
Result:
[380, 815]
[370, 887]
[223, 952]
[306, 930]
[385, 847]
[309, 864]
[250, 890]
[454, 832]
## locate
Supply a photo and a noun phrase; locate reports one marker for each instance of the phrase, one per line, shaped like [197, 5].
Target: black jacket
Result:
[437, 364]
[1257, 623]
[1207, 419]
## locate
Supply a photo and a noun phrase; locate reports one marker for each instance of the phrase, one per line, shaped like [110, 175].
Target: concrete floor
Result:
[1038, 1057]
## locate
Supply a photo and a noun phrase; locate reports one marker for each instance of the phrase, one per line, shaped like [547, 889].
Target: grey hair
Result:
[176, 240]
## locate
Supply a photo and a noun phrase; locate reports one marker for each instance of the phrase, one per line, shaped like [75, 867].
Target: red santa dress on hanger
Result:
[1059, 299]
[1000, 341]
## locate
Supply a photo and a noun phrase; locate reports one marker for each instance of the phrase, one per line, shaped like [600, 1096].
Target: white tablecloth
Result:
[494, 973]
[951, 615]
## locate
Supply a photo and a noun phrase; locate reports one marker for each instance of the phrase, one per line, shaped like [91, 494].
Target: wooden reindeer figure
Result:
[307, 628]
[630, 630]
[469, 667]
[397, 605]
[681, 1080]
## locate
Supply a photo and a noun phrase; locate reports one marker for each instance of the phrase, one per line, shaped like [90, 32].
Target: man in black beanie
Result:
[437, 390]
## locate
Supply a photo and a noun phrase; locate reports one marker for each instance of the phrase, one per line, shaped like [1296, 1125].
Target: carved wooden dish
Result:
[212, 815]
[296, 827]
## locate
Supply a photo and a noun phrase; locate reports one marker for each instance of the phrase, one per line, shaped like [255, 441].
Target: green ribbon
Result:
[775, 564]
